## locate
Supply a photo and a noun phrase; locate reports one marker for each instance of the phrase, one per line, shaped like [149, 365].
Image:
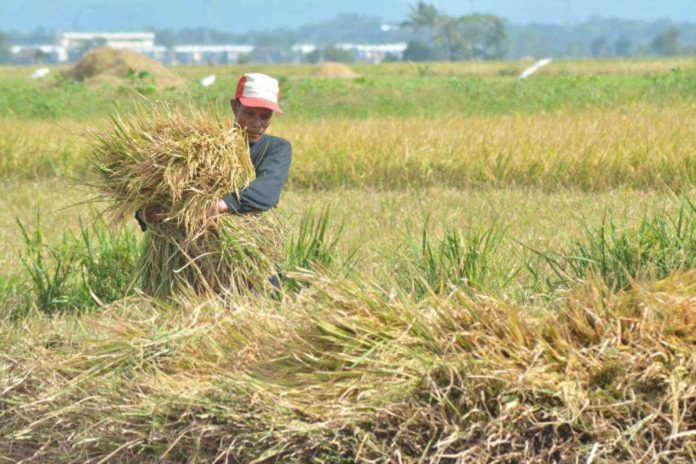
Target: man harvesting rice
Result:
[255, 101]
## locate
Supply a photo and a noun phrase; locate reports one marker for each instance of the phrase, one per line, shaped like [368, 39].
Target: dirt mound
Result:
[331, 69]
[106, 81]
[119, 64]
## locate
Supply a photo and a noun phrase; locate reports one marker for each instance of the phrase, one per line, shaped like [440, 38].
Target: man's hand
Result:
[154, 214]
[218, 208]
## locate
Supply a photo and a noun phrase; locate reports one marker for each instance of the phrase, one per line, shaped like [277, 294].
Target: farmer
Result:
[254, 102]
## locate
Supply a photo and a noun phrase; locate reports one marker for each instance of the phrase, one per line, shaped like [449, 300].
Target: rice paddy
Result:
[501, 273]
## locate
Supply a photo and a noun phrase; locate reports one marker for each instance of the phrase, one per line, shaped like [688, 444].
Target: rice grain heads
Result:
[185, 160]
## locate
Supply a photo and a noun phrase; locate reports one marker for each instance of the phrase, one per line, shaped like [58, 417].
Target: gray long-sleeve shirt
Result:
[271, 157]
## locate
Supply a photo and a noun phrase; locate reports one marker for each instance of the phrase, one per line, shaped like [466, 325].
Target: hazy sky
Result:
[242, 15]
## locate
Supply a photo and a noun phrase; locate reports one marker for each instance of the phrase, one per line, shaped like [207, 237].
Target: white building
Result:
[140, 42]
[305, 49]
[38, 54]
[76, 44]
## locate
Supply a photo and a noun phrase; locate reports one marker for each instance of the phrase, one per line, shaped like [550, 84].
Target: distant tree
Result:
[475, 36]
[4, 48]
[39, 57]
[350, 27]
[40, 35]
[667, 42]
[166, 38]
[314, 56]
[280, 38]
[600, 47]
[244, 58]
[331, 53]
[424, 17]
[449, 35]
[484, 35]
[573, 49]
[417, 50]
[623, 46]
[339, 55]
[207, 35]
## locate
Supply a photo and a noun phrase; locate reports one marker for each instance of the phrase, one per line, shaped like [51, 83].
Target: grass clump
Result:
[463, 259]
[185, 161]
[313, 246]
[84, 270]
[658, 246]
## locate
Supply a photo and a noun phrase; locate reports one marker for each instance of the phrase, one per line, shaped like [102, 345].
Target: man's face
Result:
[253, 120]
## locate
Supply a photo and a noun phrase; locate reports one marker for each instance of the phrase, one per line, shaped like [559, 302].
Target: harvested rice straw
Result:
[184, 161]
[235, 255]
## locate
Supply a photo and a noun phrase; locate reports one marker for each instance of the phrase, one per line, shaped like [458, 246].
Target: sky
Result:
[243, 15]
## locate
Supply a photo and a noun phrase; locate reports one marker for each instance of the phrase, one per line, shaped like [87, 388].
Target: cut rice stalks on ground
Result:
[185, 161]
[342, 372]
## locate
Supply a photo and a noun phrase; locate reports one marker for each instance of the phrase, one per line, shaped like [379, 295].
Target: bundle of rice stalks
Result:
[185, 160]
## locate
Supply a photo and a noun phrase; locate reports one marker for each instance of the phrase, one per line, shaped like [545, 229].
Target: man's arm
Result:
[264, 192]
[152, 214]
[141, 223]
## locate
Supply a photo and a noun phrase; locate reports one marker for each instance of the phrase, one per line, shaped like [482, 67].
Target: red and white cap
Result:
[259, 90]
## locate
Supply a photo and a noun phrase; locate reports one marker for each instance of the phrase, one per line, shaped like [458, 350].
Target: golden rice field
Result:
[638, 147]
[503, 273]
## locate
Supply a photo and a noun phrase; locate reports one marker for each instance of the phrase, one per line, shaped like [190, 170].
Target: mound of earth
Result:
[331, 69]
[105, 81]
[111, 65]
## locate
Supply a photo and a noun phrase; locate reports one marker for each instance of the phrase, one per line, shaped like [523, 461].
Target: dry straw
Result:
[344, 373]
[185, 160]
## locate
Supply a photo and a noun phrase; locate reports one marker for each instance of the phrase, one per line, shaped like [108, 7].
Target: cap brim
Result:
[260, 103]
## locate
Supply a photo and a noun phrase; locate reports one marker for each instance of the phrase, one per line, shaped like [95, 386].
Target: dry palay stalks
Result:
[184, 160]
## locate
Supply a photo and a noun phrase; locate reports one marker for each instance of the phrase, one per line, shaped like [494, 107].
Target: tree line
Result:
[442, 37]
[433, 34]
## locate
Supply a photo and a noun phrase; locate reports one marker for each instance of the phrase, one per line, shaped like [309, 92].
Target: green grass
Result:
[657, 247]
[375, 95]
[94, 267]
[100, 265]
[313, 246]
[456, 260]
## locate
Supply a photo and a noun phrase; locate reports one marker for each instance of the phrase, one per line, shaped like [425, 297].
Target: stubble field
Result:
[478, 270]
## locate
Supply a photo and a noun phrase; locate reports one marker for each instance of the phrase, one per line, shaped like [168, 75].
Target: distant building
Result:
[375, 53]
[78, 43]
[136, 41]
[38, 54]
[304, 49]
[203, 54]
[71, 46]
[144, 42]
